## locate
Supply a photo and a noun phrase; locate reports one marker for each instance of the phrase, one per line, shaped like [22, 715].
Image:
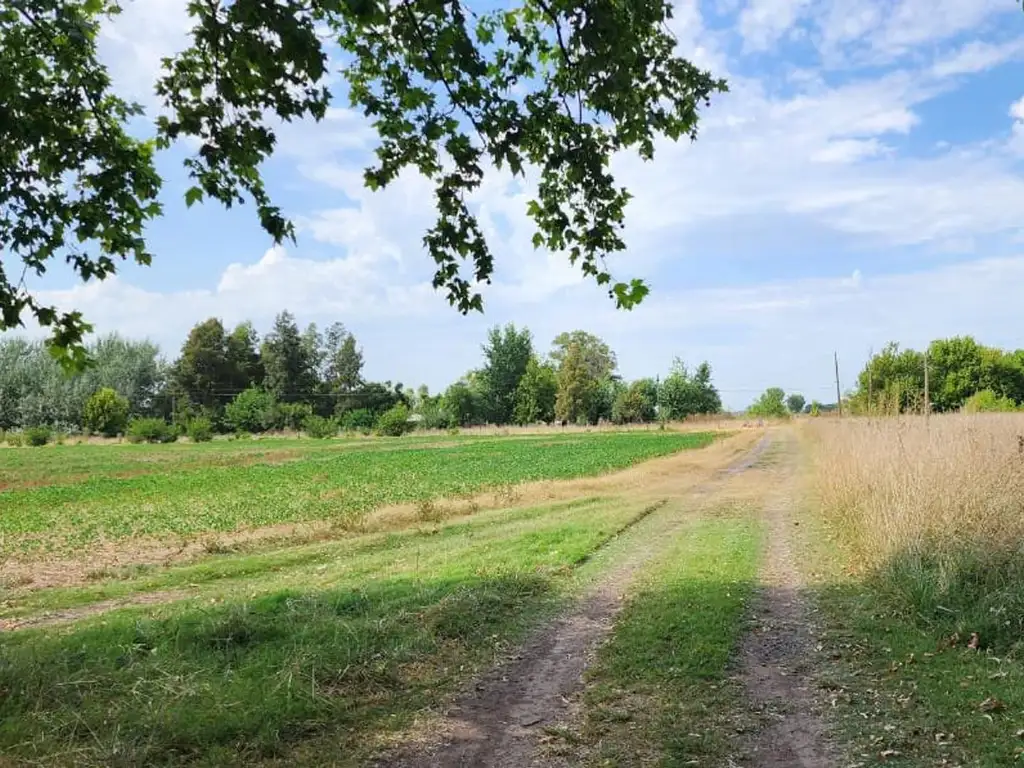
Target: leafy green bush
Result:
[15, 439]
[251, 411]
[771, 404]
[150, 431]
[37, 435]
[356, 420]
[987, 401]
[290, 415]
[394, 422]
[106, 412]
[200, 430]
[319, 427]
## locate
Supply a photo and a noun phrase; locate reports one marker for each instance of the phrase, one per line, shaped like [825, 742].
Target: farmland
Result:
[66, 498]
[842, 591]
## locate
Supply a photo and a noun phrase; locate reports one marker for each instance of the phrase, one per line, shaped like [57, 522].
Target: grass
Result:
[77, 496]
[313, 655]
[919, 550]
[659, 692]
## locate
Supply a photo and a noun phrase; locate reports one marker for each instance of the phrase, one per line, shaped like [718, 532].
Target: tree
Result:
[106, 412]
[771, 403]
[556, 89]
[536, 394]
[682, 394]
[795, 403]
[289, 360]
[243, 357]
[576, 386]
[597, 355]
[342, 360]
[251, 411]
[202, 374]
[507, 354]
[636, 404]
[462, 403]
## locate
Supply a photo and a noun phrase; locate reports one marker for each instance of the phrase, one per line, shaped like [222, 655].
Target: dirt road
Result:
[496, 724]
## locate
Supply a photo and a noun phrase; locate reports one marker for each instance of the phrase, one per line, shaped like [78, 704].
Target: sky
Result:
[862, 182]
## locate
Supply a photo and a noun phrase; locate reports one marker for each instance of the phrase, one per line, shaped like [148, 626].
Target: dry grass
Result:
[902, 484]
[932, 514]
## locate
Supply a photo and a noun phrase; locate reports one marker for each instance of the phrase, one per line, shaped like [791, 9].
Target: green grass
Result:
[905, 688]
[113, 493]
[309, 656]
[659, 693]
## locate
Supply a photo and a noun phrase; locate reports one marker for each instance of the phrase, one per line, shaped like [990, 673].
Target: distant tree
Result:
[289, 360]
[202, 374]
[637, 403]
[536, 394]
[771, 403]
[576, 386]
[106, 412]
[243, 357]
[597, 355]
[682, 394]
[893, 379]
[795, 403]
[462, 403]
[507, 354]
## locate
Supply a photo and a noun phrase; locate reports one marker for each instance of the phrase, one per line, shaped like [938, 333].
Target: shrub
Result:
[290, 415]
[394, 422]
[251, 411]
[357, 420]
[15, 439]
[320, 428]
[987, 401]
[200, 430]
[106, 412]
[150, 431]
[37, 436]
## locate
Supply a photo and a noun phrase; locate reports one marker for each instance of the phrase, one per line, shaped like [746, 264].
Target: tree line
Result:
[961, 374]
[232, 380]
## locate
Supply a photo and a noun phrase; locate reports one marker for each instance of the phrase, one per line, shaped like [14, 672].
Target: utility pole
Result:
[871, 399]
[927, 395]
[839, 397]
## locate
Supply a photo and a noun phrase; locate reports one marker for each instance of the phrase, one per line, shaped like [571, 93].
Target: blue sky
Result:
[862, 182]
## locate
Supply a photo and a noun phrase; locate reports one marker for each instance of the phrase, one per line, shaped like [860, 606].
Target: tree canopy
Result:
[553, 88]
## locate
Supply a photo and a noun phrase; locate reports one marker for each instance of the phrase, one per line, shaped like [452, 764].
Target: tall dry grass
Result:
[932, 510]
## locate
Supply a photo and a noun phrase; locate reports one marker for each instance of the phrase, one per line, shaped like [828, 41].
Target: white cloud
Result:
[978, 56]
[764, 22]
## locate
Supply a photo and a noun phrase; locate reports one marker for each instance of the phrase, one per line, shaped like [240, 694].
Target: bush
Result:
[150, 431]
[106, 412]
[320, 428]
[394, 422]
[251, 411]
[987, 401]
[200, 430]
[357, 420]
[37, 436]
[290, 415]
[15, 439]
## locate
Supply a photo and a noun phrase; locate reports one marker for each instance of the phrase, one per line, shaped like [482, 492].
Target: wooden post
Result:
[871, 399]
[927, 394]
[839, 396]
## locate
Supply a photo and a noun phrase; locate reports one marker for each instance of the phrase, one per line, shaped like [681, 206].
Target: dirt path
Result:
[777, 655]
[496, 725]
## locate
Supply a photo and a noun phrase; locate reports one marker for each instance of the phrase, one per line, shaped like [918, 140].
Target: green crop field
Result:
[66, 498]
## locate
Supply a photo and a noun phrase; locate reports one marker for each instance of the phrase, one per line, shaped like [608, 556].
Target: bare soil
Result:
[497, 723]
[777, 658]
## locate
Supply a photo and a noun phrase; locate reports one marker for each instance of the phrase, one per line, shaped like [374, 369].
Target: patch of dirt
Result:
[777, 656]
[68, 615]
[650, 479]
[499, 723]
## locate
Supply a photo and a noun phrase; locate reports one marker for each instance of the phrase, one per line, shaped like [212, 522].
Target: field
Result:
[826, 592]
